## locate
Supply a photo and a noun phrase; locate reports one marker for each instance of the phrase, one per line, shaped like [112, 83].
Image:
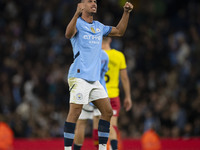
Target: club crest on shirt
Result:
[98, 30]
[92, 29]
[79, 96]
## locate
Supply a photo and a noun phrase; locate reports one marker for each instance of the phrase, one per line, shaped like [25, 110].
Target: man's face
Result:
[90, 6]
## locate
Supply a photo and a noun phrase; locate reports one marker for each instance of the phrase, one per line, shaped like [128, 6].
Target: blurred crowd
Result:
[161, 45]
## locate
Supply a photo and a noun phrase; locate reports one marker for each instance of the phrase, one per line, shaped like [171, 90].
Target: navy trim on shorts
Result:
[71, 87]
[87, 110]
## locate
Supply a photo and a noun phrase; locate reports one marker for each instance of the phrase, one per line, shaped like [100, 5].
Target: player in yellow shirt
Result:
[116, 71]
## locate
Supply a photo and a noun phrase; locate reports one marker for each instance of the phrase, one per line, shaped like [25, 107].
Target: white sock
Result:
[68, 148]
[102, 146]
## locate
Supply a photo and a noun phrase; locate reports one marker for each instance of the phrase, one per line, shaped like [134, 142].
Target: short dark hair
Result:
[79, 1]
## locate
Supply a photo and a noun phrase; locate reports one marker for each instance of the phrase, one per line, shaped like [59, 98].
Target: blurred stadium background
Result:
[162, 47]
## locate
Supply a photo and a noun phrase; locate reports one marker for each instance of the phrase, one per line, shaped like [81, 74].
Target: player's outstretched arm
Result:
[120, 29]
[71, 28]
[126, 86]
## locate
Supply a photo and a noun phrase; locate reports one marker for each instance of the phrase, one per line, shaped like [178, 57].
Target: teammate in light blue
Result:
[84, 74]
[104, 68]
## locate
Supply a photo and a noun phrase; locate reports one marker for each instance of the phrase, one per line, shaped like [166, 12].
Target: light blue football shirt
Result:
[86, 46]
[104, 68]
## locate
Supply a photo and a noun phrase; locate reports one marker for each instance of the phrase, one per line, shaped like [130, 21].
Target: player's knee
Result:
[109, 113]
[74, 113]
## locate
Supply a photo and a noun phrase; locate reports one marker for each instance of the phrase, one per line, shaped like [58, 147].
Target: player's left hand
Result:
[128, 7]
[127, 104]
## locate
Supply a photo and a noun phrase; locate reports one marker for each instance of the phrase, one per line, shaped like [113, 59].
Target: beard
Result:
[93, 13]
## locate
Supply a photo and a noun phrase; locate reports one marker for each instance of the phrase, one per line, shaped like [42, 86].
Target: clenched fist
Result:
[80, 8]
[128, 7]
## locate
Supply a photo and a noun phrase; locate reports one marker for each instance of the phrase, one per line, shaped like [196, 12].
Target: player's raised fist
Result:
[128, 7]
[80, 8]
